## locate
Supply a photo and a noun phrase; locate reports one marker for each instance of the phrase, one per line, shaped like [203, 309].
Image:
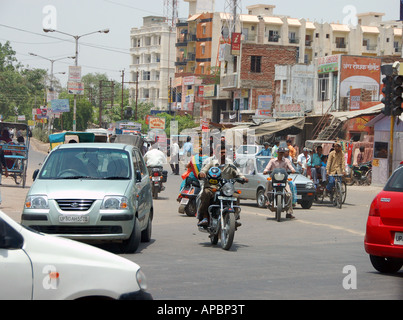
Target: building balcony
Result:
[293, 40]
[229, 116]
[228, 82]
[369, 47]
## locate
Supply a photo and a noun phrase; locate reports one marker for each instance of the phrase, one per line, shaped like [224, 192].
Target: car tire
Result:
[306, 204]
[131, 245]
[386, 265]
[146, 233]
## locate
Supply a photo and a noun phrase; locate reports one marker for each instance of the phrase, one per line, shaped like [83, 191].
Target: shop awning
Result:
[293, 126]
[346, 115]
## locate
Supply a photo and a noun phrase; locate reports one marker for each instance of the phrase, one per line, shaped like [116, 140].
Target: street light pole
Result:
[76, 62]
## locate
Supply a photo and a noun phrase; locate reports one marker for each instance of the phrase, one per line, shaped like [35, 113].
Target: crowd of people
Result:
[310, 162]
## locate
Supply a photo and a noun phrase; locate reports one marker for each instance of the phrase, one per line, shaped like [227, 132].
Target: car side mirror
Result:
[138, 176]
[35, 174]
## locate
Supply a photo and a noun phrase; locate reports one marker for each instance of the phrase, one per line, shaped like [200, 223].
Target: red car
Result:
[384, 235]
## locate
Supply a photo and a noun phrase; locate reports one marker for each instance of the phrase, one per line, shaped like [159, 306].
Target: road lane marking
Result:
[330, 226]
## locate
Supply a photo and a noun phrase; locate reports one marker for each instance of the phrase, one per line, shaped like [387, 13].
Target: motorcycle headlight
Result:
[279, 176]
[228, 189]
[114, 203]
[37, 202]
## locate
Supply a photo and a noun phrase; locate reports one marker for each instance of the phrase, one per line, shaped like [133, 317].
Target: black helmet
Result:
[281, 149]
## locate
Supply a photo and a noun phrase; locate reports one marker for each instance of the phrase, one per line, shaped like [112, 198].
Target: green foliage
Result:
[21, 89]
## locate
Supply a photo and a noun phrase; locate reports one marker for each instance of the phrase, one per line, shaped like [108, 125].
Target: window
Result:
[255, 64]
[273, 36]
[323, 87]
[146, 75]
[235, 64]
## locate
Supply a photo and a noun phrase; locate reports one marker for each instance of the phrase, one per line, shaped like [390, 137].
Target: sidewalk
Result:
[13, 195]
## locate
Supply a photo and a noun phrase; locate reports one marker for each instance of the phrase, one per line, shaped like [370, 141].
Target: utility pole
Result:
[129, 82]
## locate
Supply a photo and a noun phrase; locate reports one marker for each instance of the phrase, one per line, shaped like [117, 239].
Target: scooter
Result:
[188, 196]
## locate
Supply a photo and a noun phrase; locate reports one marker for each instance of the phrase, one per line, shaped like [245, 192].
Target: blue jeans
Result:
[331, 183]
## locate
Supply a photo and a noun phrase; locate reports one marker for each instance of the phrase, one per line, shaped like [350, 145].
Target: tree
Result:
[21, 88]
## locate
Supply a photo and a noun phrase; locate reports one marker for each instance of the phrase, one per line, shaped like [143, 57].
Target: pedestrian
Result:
[274, 149]
[4, 164]
[291, 149]
[266, 152]
[188, 149]
[174, 161]
[302, 161]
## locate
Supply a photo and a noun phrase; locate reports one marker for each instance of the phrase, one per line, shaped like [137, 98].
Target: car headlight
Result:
[310, 185]
[141, 279]
[36, 202]
[114, 202]
[228, 189]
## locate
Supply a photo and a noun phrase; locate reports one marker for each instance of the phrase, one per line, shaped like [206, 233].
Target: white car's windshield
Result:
[88, 163]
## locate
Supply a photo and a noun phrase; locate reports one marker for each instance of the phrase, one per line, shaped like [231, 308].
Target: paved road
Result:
[299, 259]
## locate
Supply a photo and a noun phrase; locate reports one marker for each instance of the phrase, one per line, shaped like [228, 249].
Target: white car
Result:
[43, 267]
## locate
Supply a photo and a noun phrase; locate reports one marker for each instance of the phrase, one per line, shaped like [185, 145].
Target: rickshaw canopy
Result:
[62, 137]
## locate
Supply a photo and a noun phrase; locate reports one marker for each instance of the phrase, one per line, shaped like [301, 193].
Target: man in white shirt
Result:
[174, 162]
[155, 158]
[302, 161]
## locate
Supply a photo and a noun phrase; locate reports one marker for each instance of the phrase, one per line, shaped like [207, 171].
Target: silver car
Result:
[92, 192]
[252, 168]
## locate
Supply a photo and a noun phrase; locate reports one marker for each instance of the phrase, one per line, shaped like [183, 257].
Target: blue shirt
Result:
[264, 152]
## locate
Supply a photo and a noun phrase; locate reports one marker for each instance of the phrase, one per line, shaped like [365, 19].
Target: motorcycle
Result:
[361, 175]
[222, 210]
[157, 176]
[280, 198]
[188, 197]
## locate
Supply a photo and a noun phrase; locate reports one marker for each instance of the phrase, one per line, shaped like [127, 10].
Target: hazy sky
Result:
[22, 21]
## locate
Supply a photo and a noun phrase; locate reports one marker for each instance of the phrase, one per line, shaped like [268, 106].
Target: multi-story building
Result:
[152, 61]
[236, 95]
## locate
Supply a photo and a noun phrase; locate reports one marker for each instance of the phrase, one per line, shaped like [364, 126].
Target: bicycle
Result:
[339, 190]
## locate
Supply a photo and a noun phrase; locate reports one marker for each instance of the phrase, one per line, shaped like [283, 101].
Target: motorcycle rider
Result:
[229, 171]
[280, 162]
[154, 158]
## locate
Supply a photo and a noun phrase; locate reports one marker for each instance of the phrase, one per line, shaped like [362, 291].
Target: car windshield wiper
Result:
[116, 178]
[78, 177]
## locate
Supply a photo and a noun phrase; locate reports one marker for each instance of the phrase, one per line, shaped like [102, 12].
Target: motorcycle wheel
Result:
[228, 231]
[279, 208]
[191, 208]
[350, 179]
[155, 193]
[368, 177]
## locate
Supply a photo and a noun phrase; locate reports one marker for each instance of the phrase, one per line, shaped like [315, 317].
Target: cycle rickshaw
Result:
[14, 141]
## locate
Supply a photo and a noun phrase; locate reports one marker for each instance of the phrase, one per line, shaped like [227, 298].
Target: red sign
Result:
[236, 44]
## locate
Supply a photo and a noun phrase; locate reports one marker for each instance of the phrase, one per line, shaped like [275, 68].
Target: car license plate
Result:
[399, 238]
[184, 201]
[73, 219]
[156, 178]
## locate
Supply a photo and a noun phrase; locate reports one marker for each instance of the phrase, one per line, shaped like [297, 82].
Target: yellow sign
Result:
[157, 123]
